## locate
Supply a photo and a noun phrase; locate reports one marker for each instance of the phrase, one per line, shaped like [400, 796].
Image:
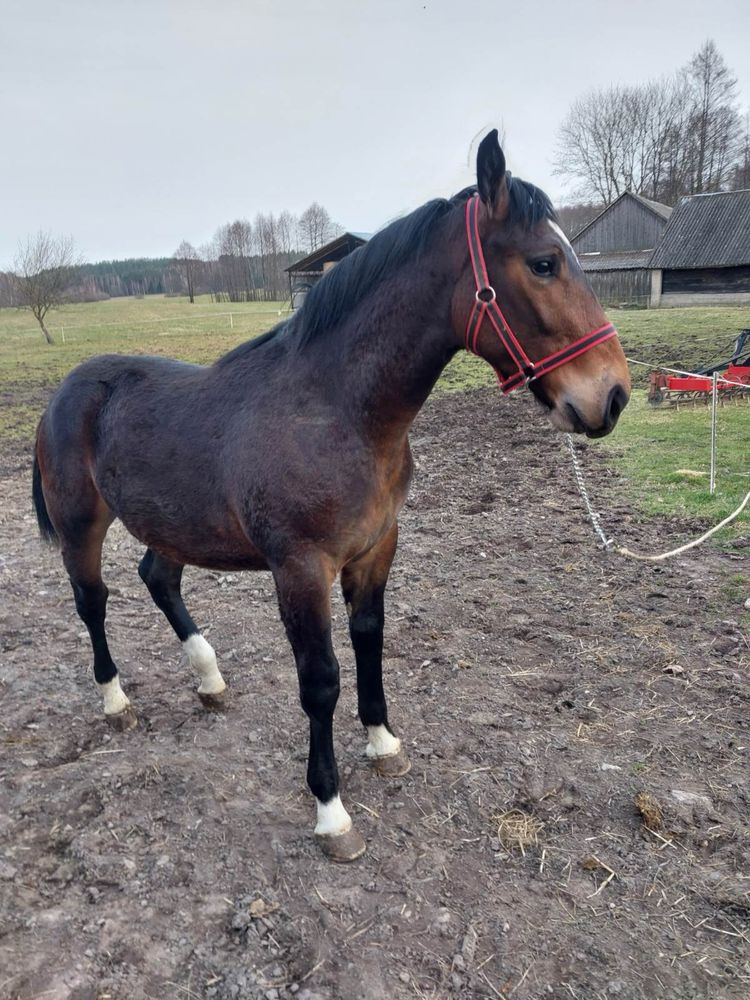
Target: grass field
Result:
[651, 447]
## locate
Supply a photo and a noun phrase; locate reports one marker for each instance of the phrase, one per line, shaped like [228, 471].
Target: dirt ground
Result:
[539, 685]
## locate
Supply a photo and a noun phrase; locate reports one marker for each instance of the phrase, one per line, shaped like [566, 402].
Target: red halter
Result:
[486, 306]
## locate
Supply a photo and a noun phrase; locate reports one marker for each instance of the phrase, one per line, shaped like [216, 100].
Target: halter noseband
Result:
[486, 306]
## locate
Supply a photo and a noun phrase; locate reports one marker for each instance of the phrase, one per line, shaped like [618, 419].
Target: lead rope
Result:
[593, 516]
[608, 544]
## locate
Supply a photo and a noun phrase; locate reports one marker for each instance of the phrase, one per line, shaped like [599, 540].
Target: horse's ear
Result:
[491, 181]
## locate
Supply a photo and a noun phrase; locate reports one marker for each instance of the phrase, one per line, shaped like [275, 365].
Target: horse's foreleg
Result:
[304, 584]
[163, 578]
[363, 583]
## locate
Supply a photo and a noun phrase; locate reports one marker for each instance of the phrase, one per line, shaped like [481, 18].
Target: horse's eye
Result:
[544, 268]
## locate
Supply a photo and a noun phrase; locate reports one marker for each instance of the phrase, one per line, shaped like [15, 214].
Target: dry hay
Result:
[517, 830]
[650, 810]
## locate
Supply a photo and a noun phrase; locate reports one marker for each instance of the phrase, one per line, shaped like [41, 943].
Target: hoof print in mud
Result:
[214, 702]
[342, 847]
[121, 722]
[395, 765]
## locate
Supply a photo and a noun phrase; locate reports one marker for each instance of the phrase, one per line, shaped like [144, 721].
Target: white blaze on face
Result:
[333, 819]
[381, 743]
[115, 699]
[202, 659]
[558, 231]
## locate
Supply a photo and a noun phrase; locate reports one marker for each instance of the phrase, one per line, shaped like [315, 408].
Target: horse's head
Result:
[532, 314]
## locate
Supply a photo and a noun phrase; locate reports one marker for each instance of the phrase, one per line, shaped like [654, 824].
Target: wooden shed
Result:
[615, 249]
[304, 273]
[704, 256]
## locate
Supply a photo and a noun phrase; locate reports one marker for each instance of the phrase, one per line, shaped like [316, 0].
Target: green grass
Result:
[660, 451]
[679, 338]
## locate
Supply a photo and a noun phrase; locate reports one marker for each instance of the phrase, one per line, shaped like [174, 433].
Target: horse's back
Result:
[71, 430]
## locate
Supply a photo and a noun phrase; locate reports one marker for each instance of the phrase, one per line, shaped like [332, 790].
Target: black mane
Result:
[345, 286]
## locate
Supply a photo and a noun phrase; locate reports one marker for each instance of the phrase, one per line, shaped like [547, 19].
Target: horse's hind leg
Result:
[363, 583]
[82, 555]
[163, 578]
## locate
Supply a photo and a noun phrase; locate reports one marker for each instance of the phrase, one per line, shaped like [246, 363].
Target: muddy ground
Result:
[526, 670]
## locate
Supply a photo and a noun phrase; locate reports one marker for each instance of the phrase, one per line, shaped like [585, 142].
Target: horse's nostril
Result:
[616, 403]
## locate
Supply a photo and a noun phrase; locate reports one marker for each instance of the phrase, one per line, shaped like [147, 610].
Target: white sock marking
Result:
[333, 819]
[202, 659]
[381, 743]
[115, 699]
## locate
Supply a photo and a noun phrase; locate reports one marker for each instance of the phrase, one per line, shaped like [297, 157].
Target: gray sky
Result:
[132, 125]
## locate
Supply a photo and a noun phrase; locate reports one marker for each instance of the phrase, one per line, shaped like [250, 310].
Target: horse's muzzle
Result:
[617, 400]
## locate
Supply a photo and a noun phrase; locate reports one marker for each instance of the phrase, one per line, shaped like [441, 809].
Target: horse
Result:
[291, 452]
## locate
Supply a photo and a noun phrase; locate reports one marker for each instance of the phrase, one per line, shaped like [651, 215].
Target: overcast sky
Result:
[134, 124]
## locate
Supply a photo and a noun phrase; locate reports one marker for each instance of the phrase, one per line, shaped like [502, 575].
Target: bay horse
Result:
[291, 452]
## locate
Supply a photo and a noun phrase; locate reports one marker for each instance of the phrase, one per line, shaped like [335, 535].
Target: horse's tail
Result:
[46, 527]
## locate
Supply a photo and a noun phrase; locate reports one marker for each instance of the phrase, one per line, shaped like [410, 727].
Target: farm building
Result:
[615, 249]
[304, 274]
[704, 255]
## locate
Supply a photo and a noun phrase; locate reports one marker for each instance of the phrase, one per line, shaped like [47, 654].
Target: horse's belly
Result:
[232, 560]
[198, 545]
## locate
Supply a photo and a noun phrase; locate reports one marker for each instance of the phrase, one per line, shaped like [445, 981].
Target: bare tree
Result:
[316, 227]
[715, 122]
[42, 274]
[189, 260]
[667, 137]
[594, 143]
[574, 217]
[287, 226]
[739, 179]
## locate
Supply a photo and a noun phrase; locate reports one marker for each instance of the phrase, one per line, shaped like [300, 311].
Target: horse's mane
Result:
[343, 287]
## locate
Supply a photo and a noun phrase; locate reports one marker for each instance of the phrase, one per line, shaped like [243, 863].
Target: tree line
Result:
[244, 262]
[668, 137]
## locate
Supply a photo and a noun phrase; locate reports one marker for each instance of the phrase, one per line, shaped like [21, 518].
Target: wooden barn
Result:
[304, 274]
[615, 249]
[704, 256]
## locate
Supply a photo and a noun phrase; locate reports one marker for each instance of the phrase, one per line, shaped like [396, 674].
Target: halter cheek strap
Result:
[486, 307]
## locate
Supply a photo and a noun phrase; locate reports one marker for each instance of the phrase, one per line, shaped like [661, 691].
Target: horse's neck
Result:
[394, 347]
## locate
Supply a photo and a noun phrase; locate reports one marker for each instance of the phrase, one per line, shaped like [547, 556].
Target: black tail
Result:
[46, 527]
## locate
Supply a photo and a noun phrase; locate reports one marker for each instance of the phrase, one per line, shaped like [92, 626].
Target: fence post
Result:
[714, 394]
[231, 321]
[62, 331]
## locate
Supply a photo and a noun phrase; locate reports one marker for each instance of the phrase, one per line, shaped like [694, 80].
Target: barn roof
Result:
[707, 230]
[334, 250]
[620, 260]
[663, 211]
[656, 206]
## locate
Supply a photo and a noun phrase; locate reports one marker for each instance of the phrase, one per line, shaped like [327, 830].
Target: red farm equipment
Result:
[734, 380]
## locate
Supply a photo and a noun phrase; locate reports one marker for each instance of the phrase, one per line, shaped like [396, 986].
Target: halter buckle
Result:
[480, 293]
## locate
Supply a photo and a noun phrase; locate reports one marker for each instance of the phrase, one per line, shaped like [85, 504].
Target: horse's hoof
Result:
[122, 721]
[342, 847]
[395, 765]
[214, 702]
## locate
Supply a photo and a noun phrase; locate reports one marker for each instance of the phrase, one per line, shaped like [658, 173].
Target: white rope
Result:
[608, 543]
[621, 550]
